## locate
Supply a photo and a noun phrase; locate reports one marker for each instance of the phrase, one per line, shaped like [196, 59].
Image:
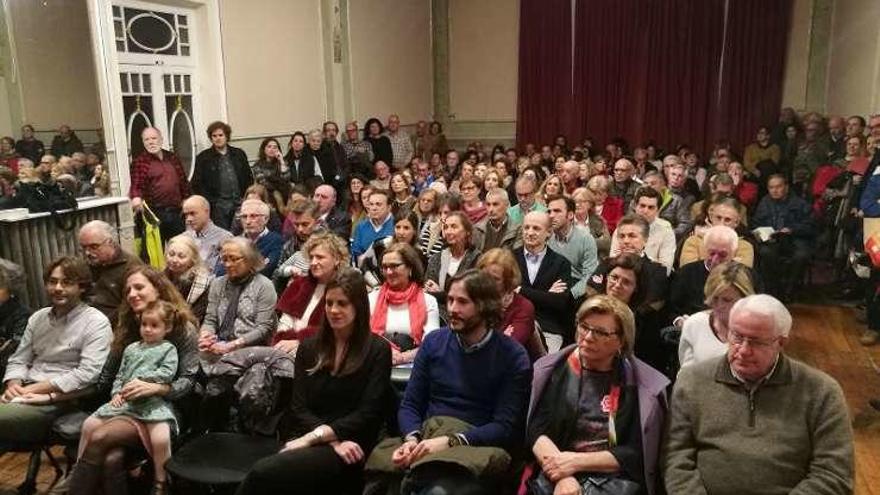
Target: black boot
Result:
[85, 479]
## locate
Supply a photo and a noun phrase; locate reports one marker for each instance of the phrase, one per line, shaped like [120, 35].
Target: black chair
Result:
[217, 461]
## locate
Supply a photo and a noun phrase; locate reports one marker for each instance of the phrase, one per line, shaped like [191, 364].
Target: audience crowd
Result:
[534, 307]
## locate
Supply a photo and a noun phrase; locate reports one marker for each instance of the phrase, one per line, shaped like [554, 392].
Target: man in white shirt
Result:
[661, 238]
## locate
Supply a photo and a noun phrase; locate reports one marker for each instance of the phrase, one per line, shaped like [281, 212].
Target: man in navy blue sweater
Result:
[469, 372]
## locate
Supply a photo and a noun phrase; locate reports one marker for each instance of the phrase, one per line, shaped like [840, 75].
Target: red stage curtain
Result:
[754, 67]
[545, 68]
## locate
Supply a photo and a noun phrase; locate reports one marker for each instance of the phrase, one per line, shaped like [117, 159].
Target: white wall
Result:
[483, 59]
[854, 65]
[391, 60]
[794, 88]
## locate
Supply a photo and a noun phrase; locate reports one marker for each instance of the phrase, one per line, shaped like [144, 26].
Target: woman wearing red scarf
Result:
[302, 303]
[401, 311]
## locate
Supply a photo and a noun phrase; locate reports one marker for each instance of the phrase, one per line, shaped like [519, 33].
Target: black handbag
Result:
[591, 484]
[39, 197]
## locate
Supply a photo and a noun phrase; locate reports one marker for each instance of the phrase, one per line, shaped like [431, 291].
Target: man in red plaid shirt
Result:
[157, 178]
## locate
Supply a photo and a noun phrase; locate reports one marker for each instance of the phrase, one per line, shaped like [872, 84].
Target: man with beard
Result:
[108, 264]
[60, 355]
[157, 178]
[465, 401]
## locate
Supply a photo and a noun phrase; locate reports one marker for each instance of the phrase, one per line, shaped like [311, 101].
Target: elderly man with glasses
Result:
[108, 264]
[756, 420]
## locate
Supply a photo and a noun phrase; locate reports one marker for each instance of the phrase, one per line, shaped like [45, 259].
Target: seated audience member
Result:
[338, 404]
[201, 229]
[405, 231]
[466, 399]
[686, 291]
[189, 274]
[574, 243]
[721, 211]
[28, 146]
[720, 185]
[631, 234]
[610, 208]
[547, 280]
[108, 264]
[718, 407]
[301, 305]
[622, 184]
[254, 215]
[378, 224]
[458, 256]
[382, 176]
[303, 216]
[497, 229]
[13, 317]
[401, 192]
[401, 311]
[786, 254]
[759, 151]
[526, 200]
[260, 193]
[330, 216]
[518, 317]
[471, 204]
[145, 376]
[552, 186]
[431, 234]
[353, 202]
[241, 302]
[66, 142]
[585, 215]
[99, 184]
[704, 335]
[427, 207]
[570, 176]
[674, 208]
[581, 435]
[660, 245]
[59, 357]
[743, 190]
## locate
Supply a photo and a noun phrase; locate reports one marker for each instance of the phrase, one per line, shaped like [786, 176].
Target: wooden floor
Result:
[823, 336]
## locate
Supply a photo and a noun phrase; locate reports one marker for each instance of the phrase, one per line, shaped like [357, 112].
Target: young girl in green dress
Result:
[152, 359]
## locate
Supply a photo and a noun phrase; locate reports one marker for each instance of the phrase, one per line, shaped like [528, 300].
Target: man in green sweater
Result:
[756, 421]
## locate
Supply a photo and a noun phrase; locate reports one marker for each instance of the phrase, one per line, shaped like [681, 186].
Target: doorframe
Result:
[207, 46]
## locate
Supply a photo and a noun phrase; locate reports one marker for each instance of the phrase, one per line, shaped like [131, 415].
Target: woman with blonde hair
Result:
[552, 186]
[185, 269]
[598, 411]
[704, 334]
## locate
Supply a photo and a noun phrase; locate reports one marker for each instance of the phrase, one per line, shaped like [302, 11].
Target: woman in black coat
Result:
[373, 132]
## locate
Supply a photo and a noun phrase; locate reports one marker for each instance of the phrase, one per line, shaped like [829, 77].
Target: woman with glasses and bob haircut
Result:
[595, 402]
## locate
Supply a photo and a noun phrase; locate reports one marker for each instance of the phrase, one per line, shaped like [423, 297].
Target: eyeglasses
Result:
[391, 266]
[93, 246]
[584, 329]
[231, 260]
[740, 341]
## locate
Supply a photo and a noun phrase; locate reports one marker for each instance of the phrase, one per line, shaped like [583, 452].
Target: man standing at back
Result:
[755, 420]
[222, 175]
[401, 145]
[157, 178]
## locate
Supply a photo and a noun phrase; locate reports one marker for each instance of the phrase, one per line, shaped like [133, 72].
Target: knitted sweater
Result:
[791, 435]
[487, 387]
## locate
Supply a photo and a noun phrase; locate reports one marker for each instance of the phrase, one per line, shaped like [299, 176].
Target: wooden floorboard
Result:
[823, 336]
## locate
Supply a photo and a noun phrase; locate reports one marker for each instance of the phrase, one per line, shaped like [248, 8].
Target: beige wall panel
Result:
[483, 59]
[855, 53]
[54, 61]
[274, 70]
[391, 59]
[794, 89]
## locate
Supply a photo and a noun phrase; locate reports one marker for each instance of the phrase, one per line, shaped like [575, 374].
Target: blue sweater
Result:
[488, 388]
[365, 235]
[269, 246]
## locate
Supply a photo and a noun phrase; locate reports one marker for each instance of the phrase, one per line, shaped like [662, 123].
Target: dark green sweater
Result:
[792, 436]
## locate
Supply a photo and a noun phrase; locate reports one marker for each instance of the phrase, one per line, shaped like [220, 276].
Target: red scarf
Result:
[477, 213]
[413, 297]
[293, 301]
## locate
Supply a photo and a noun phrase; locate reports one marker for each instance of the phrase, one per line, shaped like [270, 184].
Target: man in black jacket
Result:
[329, 216]
[546, 279]
[222, 175]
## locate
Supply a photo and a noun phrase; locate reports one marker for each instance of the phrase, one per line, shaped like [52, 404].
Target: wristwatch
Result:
[454, 441]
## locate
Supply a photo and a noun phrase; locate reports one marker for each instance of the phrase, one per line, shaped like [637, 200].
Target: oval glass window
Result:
[151, 32]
